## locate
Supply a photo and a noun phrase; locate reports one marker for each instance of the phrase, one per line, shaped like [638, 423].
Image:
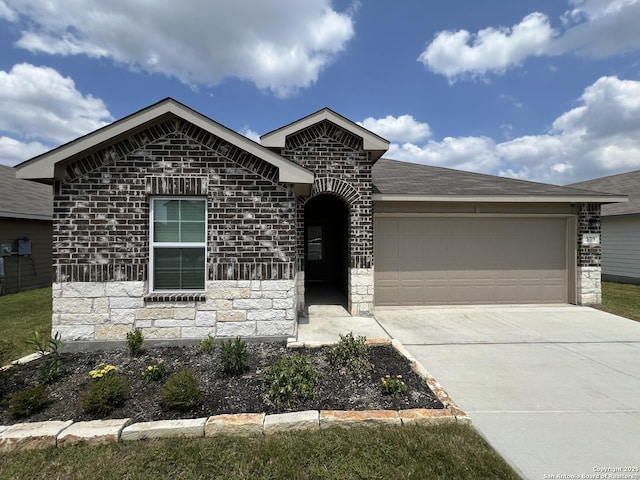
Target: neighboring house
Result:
[620, 227]
[26, 211]
[170, 222]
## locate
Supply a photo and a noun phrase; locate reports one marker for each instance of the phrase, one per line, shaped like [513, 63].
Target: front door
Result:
[326, 246]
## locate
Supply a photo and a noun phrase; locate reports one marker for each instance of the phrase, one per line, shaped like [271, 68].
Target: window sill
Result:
[175, 297]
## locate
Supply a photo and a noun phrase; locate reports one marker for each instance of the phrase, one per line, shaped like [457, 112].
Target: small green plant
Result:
[182, 392]
[28, 401]
[393, 386]
[51, 367]
[234, 358]
[350, 353]
[134, 342]
[207, 344]
[105, 393]
[291, 379]
[103, 370]
[153, 373]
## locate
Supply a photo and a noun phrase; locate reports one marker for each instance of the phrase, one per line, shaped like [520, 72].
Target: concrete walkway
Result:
[555, 390]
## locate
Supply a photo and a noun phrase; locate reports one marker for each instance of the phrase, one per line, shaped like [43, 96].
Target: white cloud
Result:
[13, 151]
[592, 27]
[600, 136]
[7, 13]
[279, 46]
[247, 132]
[38, 102]
[398, 129]
[490, 50]
[40, 108]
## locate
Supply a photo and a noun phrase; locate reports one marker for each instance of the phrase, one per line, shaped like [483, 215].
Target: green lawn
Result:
[21, 314]
[621, 299]
[446, 451]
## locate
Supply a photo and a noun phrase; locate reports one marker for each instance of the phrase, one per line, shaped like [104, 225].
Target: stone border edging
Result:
[23, 436]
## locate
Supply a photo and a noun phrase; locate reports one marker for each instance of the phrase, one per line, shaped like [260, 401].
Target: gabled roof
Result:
[47, 166]
[370, 141]
[402, 181]
[24, 199]
[624, 184]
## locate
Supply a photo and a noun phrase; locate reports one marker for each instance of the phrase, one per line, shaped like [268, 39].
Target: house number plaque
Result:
[591, 239]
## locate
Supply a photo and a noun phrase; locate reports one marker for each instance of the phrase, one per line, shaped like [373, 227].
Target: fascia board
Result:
[370, 141]
[44, 166]
[391, 197]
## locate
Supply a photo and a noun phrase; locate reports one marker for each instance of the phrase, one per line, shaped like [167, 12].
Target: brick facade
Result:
[588, 276]
[342, 168]
[101, 226]
[255, 272]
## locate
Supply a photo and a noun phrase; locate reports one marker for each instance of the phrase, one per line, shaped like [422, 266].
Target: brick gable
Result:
[101, 209]
[341, 168]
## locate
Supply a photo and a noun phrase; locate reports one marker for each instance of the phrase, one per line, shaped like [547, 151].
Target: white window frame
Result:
[153, 245]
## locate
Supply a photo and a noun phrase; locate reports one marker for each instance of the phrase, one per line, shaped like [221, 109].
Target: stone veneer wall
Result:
[589, 286]
[101, 249]
[341, 168]
[108, 310]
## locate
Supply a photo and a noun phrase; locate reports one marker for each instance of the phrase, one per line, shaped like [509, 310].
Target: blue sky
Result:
[544, 90]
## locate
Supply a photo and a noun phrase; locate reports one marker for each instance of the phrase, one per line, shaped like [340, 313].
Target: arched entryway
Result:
[326, 227]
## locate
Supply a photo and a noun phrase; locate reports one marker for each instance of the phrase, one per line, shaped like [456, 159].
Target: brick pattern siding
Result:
[589, 222]
[341, 168]
[101, 209]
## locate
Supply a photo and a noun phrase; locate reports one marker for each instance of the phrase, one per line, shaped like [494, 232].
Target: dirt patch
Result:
[337, 390]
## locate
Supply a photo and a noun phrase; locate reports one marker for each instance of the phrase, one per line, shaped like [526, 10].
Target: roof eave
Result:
[26, 216]
[394, 197]
[43, 167]
[370, 141]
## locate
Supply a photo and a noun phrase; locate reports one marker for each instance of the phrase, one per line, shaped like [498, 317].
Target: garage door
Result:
[490, 260]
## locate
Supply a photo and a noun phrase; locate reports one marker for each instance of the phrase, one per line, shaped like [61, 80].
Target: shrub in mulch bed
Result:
[246, 392]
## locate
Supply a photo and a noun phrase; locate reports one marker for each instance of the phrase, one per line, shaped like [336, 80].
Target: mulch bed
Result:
[338, 390]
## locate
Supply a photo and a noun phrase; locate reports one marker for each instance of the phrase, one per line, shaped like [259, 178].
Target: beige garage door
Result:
[438, 261]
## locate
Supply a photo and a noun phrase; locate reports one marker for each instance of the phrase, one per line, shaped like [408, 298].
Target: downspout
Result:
[1, 275]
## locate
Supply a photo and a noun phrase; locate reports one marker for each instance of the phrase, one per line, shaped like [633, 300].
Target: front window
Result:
[178, 244]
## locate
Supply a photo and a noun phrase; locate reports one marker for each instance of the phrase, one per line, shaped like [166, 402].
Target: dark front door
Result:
[326, 244]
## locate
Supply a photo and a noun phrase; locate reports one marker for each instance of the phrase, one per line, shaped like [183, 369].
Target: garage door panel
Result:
[426, 261]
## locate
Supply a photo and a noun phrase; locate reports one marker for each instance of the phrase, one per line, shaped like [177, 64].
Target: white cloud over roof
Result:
[398, 129]
[39, 107]
[280, 46]
[598, 137]
[595, 28]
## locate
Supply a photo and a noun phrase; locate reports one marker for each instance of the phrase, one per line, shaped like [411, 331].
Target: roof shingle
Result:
[622, 183]
[23, 198]
[395, 177]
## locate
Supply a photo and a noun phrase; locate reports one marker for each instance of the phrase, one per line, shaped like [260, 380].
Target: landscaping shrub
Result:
[155, 372]
[182, 392]
[291, 379]
[105, 393]
[28, 401]
[350, 353]
[393, 386]
[207, 344]
[134, 342]
[234, 358]
[51, 367]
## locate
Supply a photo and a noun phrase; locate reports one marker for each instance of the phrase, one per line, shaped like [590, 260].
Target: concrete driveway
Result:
[555, 390]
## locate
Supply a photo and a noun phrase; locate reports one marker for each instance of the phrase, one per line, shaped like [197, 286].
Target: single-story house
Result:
[26, 212]
[170, 222]
[620, 226]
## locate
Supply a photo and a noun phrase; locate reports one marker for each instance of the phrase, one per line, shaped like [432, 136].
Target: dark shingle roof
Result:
[623, 183]
[394, 177]
[22, 198]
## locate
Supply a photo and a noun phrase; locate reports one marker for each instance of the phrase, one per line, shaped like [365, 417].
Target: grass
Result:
[21, 314]
[419, 452]
[621, 299]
